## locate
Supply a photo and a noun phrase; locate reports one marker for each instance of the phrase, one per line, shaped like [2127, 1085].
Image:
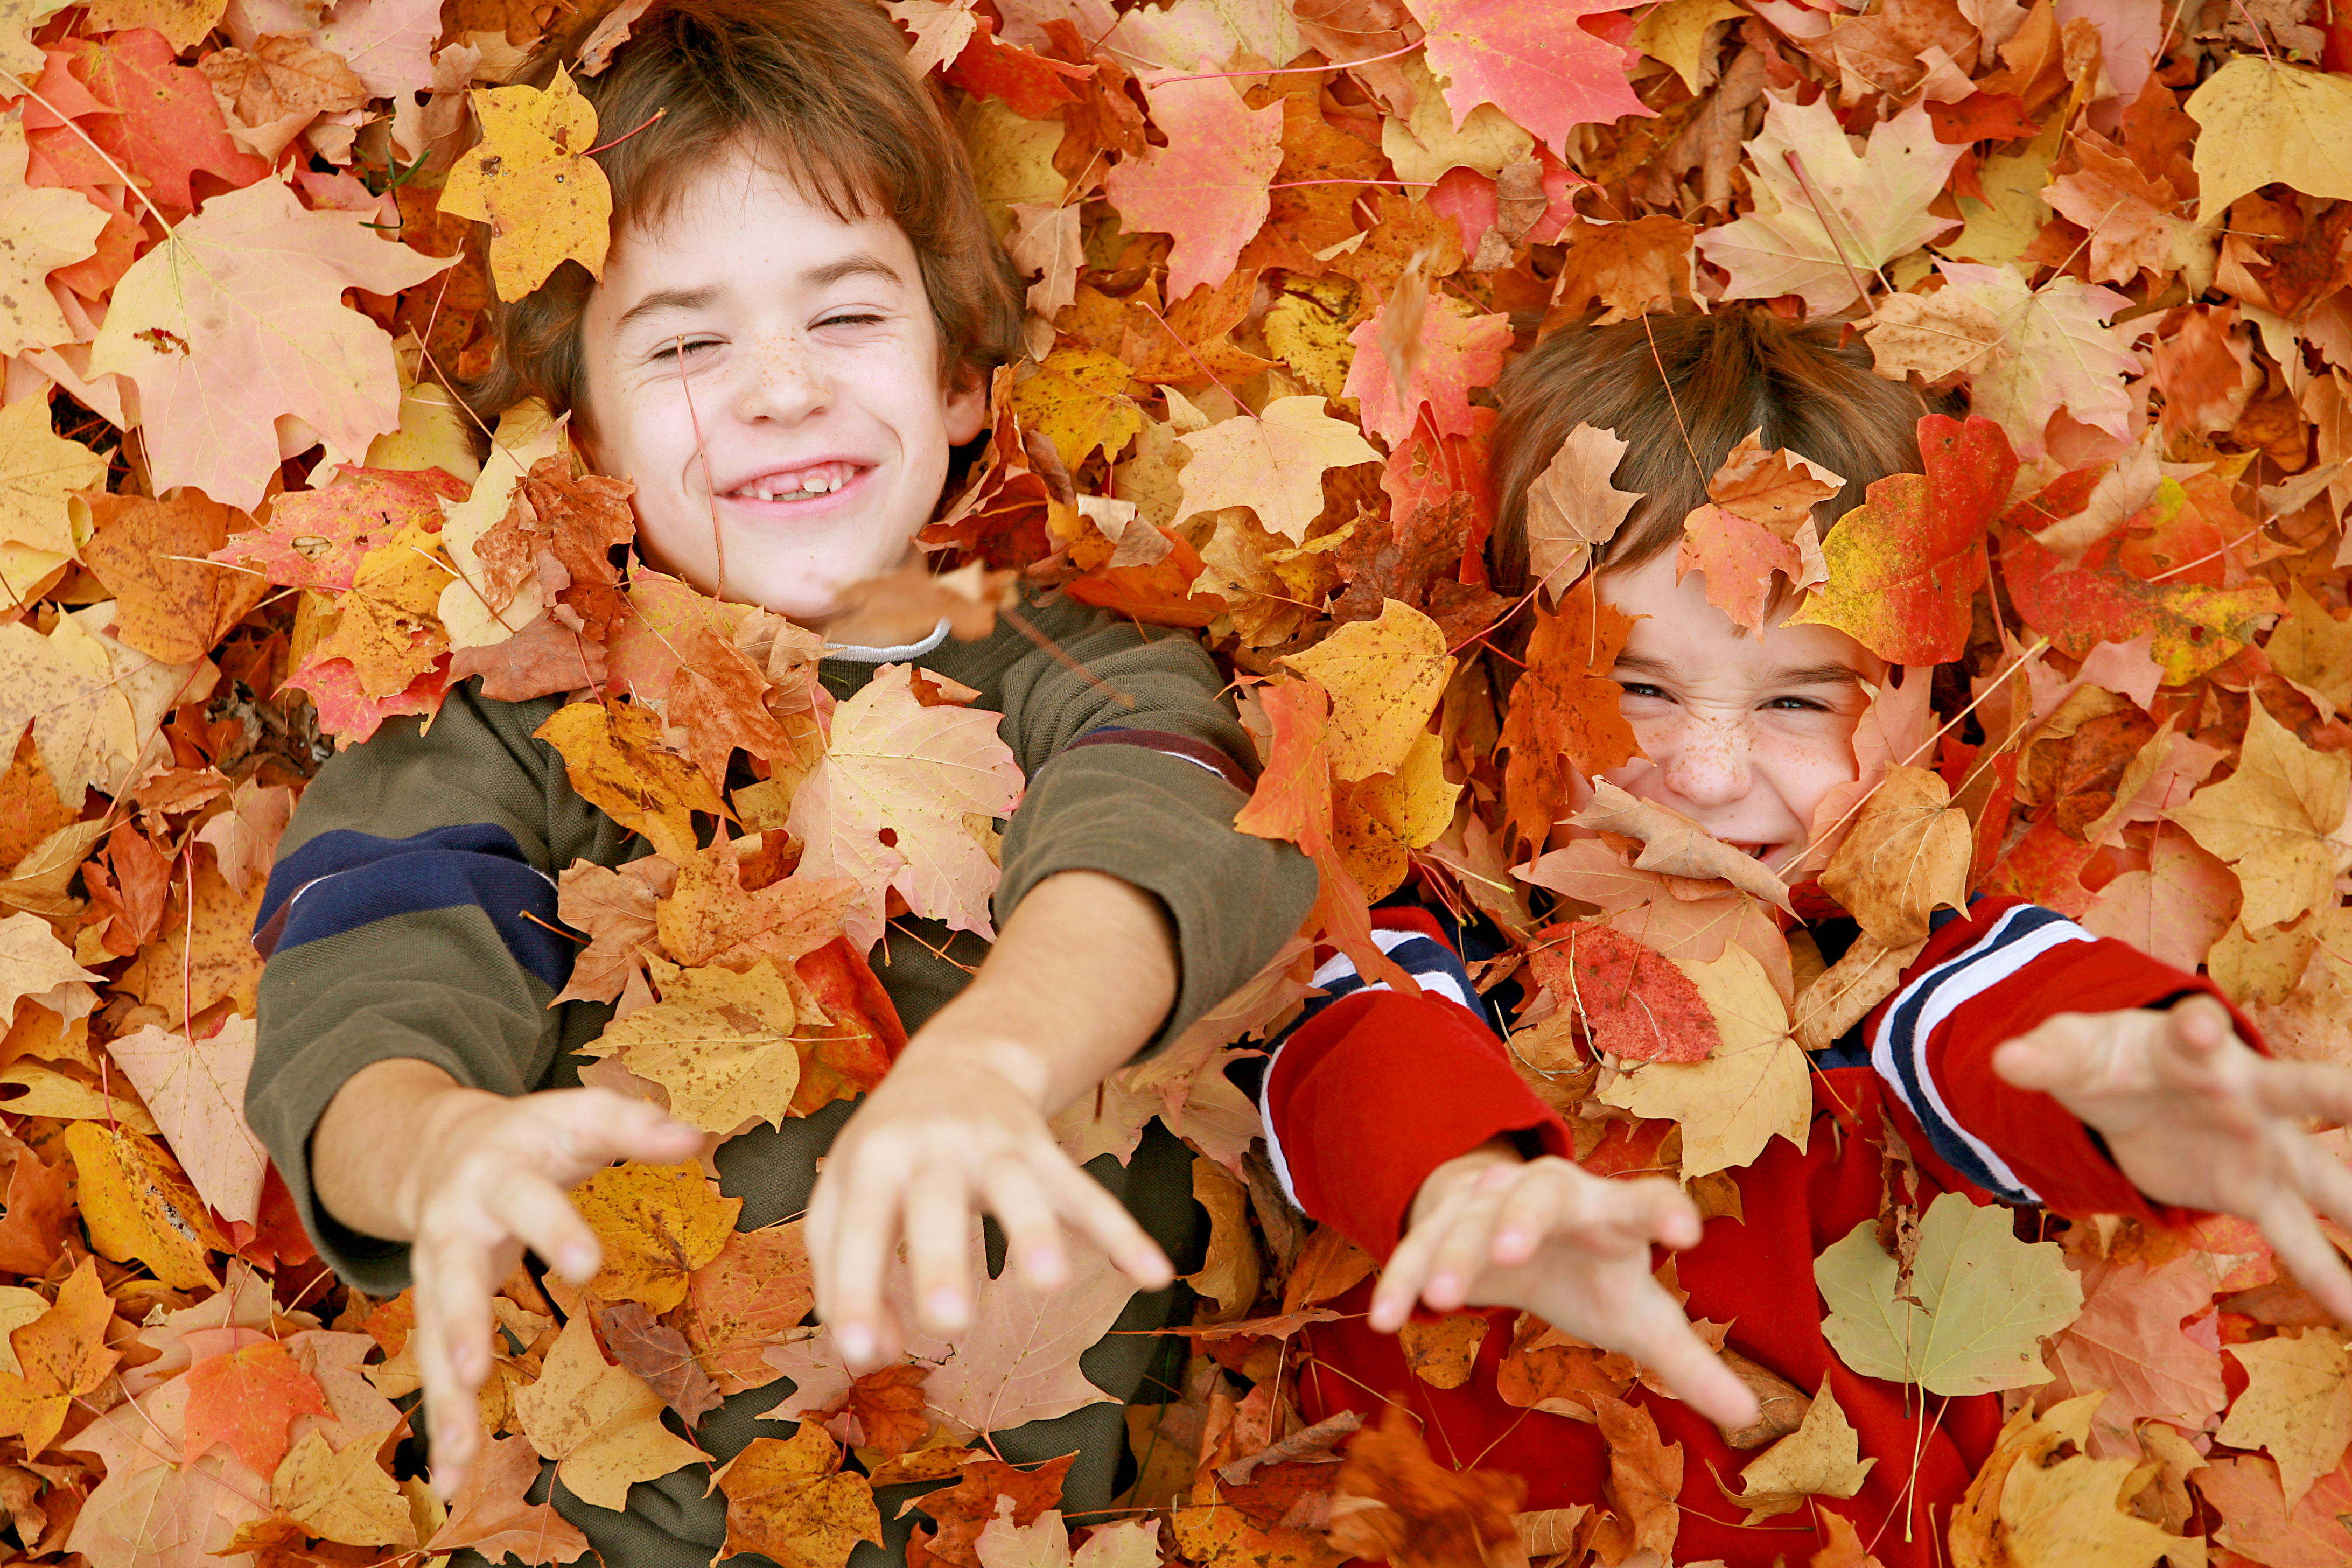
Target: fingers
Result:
[849, 1270]
[939, 1245]
[586, 1129]
[2305, 1248]
[1667, 1345]
[454, 1274]
[1087, 1205]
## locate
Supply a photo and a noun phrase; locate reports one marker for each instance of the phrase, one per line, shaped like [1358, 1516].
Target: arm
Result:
[1080, 978]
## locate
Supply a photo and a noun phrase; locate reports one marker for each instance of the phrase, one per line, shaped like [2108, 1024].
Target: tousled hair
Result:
[817, 90]
[1681, 391]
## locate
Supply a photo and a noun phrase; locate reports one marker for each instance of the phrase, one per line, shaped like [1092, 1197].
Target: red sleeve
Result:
[1983, 980]
[1376, 1091]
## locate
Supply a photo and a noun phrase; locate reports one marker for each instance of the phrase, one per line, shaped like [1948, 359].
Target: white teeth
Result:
[815, 482]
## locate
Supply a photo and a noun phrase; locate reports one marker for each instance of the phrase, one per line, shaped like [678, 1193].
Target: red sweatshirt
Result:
[1373, 1093]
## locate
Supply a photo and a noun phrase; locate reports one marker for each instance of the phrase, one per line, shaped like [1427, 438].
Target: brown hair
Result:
[817, 91]
[1681, 407]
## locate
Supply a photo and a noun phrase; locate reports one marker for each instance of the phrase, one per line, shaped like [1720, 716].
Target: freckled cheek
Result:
[1804, 769]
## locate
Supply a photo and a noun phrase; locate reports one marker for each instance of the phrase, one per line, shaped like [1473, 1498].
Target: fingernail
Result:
[579, 1264]
[856, 1341]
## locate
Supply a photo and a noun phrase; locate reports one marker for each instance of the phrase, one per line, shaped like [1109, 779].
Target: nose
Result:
[1706, 760]
[784, 382]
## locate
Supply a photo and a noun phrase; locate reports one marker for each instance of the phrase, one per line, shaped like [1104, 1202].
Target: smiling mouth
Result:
[810, 483]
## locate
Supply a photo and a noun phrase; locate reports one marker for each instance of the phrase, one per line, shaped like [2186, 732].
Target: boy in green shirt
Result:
[794, 327]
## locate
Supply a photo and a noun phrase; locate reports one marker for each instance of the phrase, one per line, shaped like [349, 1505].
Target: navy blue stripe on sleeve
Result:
[341, 880]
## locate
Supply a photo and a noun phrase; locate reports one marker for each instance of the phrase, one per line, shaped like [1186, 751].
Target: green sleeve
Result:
[385, 974]
[1156, 821]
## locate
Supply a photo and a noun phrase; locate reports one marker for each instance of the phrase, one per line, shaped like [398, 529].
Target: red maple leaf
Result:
[159, 121]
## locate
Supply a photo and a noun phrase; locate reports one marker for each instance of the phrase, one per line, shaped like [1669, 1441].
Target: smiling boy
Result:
[796, 319]
[2020, 1060]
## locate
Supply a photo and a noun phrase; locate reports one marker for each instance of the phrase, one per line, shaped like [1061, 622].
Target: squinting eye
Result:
[1637, 689]
[673, 349]
[1796, 705]
[852, 319]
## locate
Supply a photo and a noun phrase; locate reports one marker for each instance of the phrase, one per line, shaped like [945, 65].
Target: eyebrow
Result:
[859, 264]
[1829, 673]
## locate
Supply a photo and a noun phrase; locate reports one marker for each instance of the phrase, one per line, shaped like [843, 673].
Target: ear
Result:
[965, 406]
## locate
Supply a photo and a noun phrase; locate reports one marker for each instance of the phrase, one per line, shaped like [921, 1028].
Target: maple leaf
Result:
[1456, 348]
[1819, 233]
[1541, 68]
[42, 230]
[614, 755]
[38, 470]
[1564, 712]
[1637, 1002]
[62, 1356]
[1903, 565]
[2311, 650]
[1755, 1086]
[1017, 1361]
[787, 1498]
[748, 1298]
[137, 1205]
[236, 318]
[1077, 400]
[34, 963]
[1980, 1302]
[601, 1424]
[317, 538]
[2264, 122]
[1821, 1458]
[2255, 1523]
[2128, 213]
[248, 1399]
[243, 838]
[530, 178]
[884, 1411]
[2054, 351]
[1934, 336]
[657, 1224]
[964, 1511]
[490, 1515]
[2128, 1342]
[2043, 1507]
[1757, 522]
[1271, 462]
[1573, 509]
[1045, 1542]
[1398, 1505]
[2176, 909]
[1906, 856]
[140, 108]
[151, 1509]
[1206, 188]
[97, 708]
[195, 1090]
[2297, 1405]
[1674, 846]
[341, 1494]
[2276, 820]
[885, 807]
[726, 1047]
[1384, 677]
[659, 1353]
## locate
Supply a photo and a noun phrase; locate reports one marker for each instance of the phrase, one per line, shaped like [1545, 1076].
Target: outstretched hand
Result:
[2194, 1116]
[1573, 1249]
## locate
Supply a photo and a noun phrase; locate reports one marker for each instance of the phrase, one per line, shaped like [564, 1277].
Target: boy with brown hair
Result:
[2020, 1060]
[794, 325]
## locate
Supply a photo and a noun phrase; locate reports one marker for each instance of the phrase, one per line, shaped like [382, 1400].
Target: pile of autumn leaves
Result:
[1263, 308]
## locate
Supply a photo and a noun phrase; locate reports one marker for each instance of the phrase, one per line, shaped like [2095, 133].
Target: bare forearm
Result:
[1081, 977]
[366, 1150]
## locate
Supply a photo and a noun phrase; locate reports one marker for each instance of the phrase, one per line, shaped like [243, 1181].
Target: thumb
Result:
[2038, 1060]
[594, 1127]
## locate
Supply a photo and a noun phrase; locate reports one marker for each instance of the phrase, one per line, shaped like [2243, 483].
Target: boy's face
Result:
[768, 376]
[1745, 734]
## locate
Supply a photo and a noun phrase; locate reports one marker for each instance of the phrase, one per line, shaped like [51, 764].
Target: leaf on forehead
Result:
[529, 180]
[1573, 509]
[1903, 565]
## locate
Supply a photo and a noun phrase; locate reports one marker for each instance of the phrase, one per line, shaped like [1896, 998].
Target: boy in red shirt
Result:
[2022, 1059]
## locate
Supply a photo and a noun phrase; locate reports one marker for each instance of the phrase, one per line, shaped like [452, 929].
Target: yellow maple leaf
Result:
[139, 1208]
[2274, 820]
[342, 1494]
[613, 754]
[1572, 509]
[1754, 1086]
[787, 1498]
[2263, 122]
[1821, 1458]
[34, 963]
[2030, 1508]
[1078, 401]
[658, 1223]
[1905, 855]
[1272, 462]
[530, 179]
[2297, 1405]
[601, 1424]
[727, 1046]
[1384, 677]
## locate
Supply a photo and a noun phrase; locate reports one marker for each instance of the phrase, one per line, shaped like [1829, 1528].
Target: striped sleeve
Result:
[2000, 971]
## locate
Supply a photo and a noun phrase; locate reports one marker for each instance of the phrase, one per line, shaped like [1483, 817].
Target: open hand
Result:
[951, 1130]
[2194, 1116]
[1571, 1247]
[475, 1178]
